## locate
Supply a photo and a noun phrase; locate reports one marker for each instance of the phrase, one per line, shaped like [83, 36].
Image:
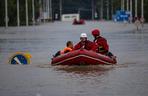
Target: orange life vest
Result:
[65, 50]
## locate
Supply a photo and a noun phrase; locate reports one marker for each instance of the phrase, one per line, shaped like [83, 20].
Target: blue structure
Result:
[20, 58]
[121, 15]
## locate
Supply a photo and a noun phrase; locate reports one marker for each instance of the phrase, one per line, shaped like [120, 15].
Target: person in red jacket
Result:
[85, 44]
[101, 42]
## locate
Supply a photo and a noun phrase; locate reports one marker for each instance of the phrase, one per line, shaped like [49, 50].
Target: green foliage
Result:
[2, 12]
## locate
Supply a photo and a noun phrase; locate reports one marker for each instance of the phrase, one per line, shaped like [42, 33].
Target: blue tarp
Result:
[121, 15]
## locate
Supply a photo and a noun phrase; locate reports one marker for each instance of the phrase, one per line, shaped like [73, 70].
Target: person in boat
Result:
[68, 48]
[101, 42]
[75, 21]
[85, 44]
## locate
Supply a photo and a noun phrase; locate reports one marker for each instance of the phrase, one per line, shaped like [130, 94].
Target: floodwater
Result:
[128, 78]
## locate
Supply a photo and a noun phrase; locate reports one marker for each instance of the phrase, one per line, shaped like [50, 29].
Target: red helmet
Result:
[96, 32]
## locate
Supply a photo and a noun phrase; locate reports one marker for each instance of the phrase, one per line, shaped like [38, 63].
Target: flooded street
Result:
[128, 78]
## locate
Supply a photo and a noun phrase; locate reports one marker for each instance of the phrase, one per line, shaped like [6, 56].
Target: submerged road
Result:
[128, 78]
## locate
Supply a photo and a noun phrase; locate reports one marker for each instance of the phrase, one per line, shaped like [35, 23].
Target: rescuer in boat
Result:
[68, 48]
[85, 44]
[101, 42]
[81, 21]
[75, 21]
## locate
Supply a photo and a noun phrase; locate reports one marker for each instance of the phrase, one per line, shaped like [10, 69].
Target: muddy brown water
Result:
[128, 78]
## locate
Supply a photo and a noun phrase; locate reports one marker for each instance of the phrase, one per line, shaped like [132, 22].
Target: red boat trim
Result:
[80, 56]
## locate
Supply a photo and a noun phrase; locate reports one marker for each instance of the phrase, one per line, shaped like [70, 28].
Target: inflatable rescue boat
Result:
[82, 57]
[78, 22]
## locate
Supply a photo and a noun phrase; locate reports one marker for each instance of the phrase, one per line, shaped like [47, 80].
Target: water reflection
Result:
[127, 78]
[12, 45]
[82, 72]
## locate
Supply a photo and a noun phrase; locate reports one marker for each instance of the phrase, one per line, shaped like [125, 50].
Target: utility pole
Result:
[136, 8]
[131, 7]
[40, 10]
[92, 5]
[43, 9]
[6, 13]
[101, 10]
[142, 9]
[48, 13]
[112, 8]
[33, 14]
[127, 5]
[51, 9]
[131, 11]
[18, 14]
[122, 4]
[26, 1]
[107, 9]
[60, 9]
